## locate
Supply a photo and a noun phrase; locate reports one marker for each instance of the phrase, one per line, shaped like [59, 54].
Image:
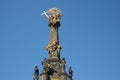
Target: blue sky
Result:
[89, 35]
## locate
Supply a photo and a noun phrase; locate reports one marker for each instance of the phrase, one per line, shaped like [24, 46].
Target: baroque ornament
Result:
[55, 16]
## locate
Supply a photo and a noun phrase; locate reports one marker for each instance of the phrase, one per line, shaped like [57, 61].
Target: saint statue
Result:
[36, 73]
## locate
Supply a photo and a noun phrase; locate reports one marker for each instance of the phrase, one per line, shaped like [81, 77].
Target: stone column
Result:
[54, 23]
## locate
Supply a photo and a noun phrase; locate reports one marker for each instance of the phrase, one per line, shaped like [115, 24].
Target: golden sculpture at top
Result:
[54, 16]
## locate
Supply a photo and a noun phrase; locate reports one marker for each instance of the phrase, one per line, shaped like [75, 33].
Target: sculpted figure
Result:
[63, 64]
[36, 73]
[44, 63]
[54, 16]
[70, 73]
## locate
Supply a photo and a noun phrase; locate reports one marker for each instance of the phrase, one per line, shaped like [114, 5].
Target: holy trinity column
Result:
[53, 65]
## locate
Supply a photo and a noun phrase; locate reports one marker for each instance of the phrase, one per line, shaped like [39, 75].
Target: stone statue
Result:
[44, 63]
[54, 16]
[63, 64]
[70, 73]
[54, 49]
[36, 73]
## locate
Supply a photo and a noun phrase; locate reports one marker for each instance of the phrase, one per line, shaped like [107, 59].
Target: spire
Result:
[54, 23]
[54, 16]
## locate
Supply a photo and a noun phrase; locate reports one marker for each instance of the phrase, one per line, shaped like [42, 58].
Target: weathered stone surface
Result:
[54, 66]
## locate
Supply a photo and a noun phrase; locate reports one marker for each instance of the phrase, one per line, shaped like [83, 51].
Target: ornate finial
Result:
[54, 17]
